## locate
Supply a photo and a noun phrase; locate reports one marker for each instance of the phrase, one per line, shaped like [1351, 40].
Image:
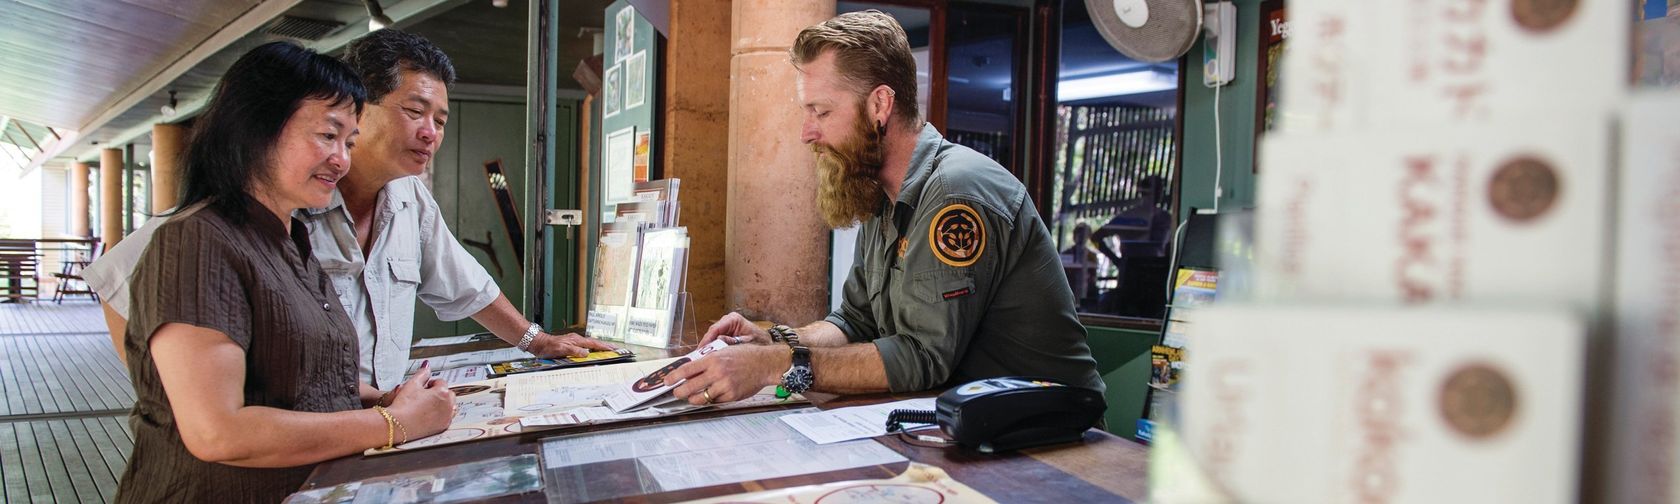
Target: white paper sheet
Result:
[846, 424]
[716, 451]
[603, 414]
[920, 483]
[571, 388]
[649, 389]
[462, 375]
[479, 358]
[619, 171]
[454, 340]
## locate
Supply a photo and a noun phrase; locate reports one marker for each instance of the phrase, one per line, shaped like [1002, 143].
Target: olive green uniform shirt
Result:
[958, 280]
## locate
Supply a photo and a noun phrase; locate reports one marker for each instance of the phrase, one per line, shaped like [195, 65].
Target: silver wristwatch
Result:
[530, 335]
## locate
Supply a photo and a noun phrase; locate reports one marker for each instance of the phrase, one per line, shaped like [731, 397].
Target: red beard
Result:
[847, 190]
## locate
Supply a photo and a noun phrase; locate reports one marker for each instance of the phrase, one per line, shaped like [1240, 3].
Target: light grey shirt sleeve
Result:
[109, 275]
[452, 282]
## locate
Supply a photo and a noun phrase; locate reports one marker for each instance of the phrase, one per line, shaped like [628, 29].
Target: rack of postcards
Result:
[641, 272]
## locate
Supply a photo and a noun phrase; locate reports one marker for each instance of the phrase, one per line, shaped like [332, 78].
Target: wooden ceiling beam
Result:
[403, 14]
[249, 22]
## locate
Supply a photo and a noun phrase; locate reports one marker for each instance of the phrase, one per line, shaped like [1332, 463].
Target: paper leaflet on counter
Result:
[455, 340]
[919, 483]
[461, 375]
[596, 357]
[468, 359]
[850, 423]
[651, 390]
[557, 399]
[479, 412]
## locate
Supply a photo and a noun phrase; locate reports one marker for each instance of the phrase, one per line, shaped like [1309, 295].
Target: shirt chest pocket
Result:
[343, 280]
[937, 286]
[404, 272]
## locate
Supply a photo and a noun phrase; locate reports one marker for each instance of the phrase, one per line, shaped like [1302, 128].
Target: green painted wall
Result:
[478, 132]
[615, 72]
[1236, 123]
[560, 259]
[1123, 360]
[642, 118]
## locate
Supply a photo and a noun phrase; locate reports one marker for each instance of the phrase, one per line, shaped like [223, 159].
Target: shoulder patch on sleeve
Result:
[957, 235]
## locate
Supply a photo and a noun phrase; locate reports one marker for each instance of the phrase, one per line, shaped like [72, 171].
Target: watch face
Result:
[797, 379]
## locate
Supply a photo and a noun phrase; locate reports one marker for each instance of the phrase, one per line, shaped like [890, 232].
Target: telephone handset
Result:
[1008, 413]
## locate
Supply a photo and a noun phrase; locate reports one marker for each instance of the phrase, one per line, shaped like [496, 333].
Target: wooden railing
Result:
[25, 261]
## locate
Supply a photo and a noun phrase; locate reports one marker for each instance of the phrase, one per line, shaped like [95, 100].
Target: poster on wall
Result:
[625, 39]
[644, 144]
[611, 88]
[619, 159]
[635, 80]
[1274, 36]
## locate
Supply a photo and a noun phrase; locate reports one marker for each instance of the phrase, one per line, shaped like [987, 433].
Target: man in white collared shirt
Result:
[382, 240]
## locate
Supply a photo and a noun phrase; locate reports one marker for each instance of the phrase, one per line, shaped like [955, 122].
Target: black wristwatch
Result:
[798, 377]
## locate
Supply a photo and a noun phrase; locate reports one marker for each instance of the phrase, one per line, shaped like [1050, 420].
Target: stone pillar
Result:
[110, 196]
[777, 245]
[696, 122]
[79, 200]
[169, 142]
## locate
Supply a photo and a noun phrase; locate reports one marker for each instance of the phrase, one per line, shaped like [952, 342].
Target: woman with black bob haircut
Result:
[243, 362]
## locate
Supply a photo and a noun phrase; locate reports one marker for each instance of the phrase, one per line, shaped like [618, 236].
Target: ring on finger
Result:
[708, 395]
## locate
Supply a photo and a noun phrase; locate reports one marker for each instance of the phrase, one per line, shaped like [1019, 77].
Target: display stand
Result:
[684, 334]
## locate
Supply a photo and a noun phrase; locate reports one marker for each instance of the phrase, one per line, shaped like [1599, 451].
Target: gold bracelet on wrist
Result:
[400, 429]
[390, 427]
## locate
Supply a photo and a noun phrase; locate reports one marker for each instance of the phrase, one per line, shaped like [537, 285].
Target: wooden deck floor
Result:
[79, 316]
[64, 400]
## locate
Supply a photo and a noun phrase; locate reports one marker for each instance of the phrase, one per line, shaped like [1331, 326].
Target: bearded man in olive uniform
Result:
[956, 277]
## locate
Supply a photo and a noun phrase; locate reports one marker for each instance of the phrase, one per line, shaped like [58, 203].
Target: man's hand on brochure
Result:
[731, 374]
[736, 329]
[570, 345]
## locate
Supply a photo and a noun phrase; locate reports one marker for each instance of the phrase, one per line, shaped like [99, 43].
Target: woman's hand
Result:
[424, 406]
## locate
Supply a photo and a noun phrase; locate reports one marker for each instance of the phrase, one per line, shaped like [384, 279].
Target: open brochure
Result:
[466, 359]
[650, 389]
[919, 483]
[557, 399]
[541, 364]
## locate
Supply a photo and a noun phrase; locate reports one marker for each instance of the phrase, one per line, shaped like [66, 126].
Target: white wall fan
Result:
[1150, 31]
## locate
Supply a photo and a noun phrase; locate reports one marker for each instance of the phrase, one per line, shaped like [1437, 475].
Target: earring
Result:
[881, 129]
